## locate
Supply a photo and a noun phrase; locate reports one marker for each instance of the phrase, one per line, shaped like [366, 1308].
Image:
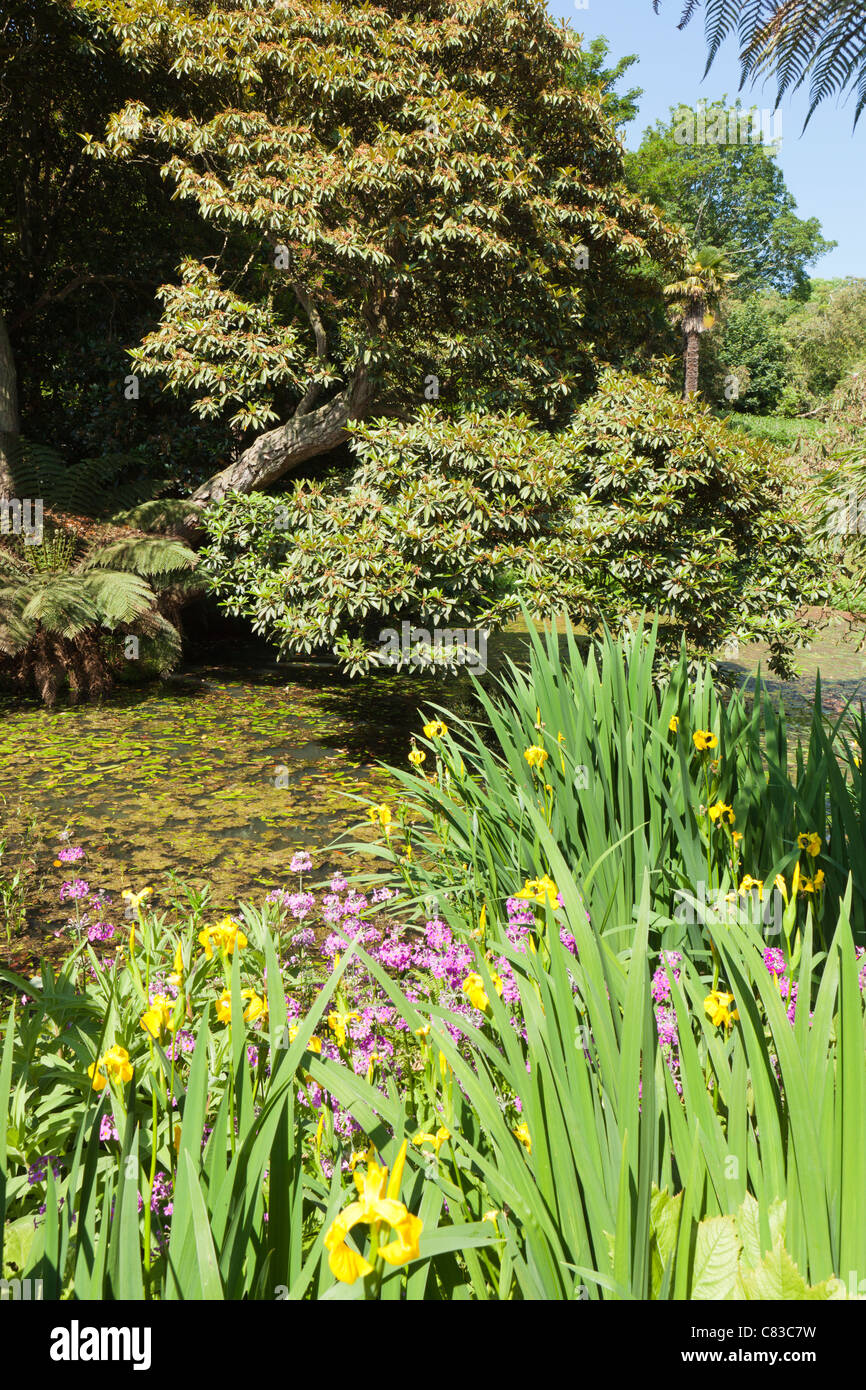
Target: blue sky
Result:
[825, 169]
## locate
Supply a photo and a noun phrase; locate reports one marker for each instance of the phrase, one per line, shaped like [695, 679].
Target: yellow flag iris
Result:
[540, 890]
[223, 937]
[158, 1016]
[378, 1205]
[113, 1066]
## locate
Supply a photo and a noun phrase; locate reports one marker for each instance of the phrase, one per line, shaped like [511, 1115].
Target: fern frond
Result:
[12, 562]
[142, 555]
[822, 40]
[163, 634]
[61, 603]
[15, 632]
[94, 487]
[157, 514]
[120, 597]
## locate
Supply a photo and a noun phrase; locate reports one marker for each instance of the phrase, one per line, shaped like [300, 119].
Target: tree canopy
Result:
[590, 69]
[730, 195]
[415, 201]
[83, 246]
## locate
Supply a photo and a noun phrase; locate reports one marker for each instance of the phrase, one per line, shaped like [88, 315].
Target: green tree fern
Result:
[70, 602]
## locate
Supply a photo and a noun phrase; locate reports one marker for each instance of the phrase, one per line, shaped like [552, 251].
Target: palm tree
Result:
[824, 40]
[693, 299]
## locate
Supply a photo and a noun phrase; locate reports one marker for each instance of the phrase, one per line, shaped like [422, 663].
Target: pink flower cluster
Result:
[76, 888]
[666, 1019]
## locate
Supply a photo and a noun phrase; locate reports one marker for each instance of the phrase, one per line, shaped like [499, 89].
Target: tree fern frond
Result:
[156, 514]
[15, 632]
[142, 555]
[840, 58]
[11, 562]
[94, 487]
[36, 469]
[164, 636]
[118, 596]
[822, 40]
[14, 635]
[61, 604]
[861, 94]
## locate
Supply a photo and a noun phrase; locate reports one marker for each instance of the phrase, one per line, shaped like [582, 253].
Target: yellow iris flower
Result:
[338, 1024]
[703, 739]
[749, 883]
[813, 885]
[157, 1018]
[136, 899]
[256, 1008]
[674, 723]
[717, 1006]
[225, 936]
[437, 1140]
[313, 1045]
[435, 729]
[811, 842]
[540, 890]
[113, 1066]
[378, 1205]
[721, 812]
[473, 988]
[535, 756]
[522, 1135]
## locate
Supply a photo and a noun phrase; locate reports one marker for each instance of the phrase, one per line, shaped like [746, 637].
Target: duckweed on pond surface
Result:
[216, 777]
[219, 775]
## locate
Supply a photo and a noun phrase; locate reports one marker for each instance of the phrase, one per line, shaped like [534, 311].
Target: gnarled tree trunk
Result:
[9, 428]
[287, 446]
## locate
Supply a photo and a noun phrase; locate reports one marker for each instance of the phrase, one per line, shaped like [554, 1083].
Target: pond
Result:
[219, 773]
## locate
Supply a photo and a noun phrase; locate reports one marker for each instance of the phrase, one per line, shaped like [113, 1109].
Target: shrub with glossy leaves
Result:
[438, 522]
[686, 518]
[643, 502]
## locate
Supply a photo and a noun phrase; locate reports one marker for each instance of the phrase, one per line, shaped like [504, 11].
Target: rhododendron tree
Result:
[415, 201]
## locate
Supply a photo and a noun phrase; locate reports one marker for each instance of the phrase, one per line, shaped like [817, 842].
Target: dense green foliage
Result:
[409, 218]
[752, 361]
[84, 246]
[643, 501]
[825, 338]
[590, 70]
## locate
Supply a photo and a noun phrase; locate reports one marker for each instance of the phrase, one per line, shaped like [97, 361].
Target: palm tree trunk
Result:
[9, 430]
[693, 347]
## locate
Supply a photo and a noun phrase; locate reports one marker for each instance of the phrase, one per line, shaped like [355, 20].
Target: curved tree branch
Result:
[313, 391]
[280, 450]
